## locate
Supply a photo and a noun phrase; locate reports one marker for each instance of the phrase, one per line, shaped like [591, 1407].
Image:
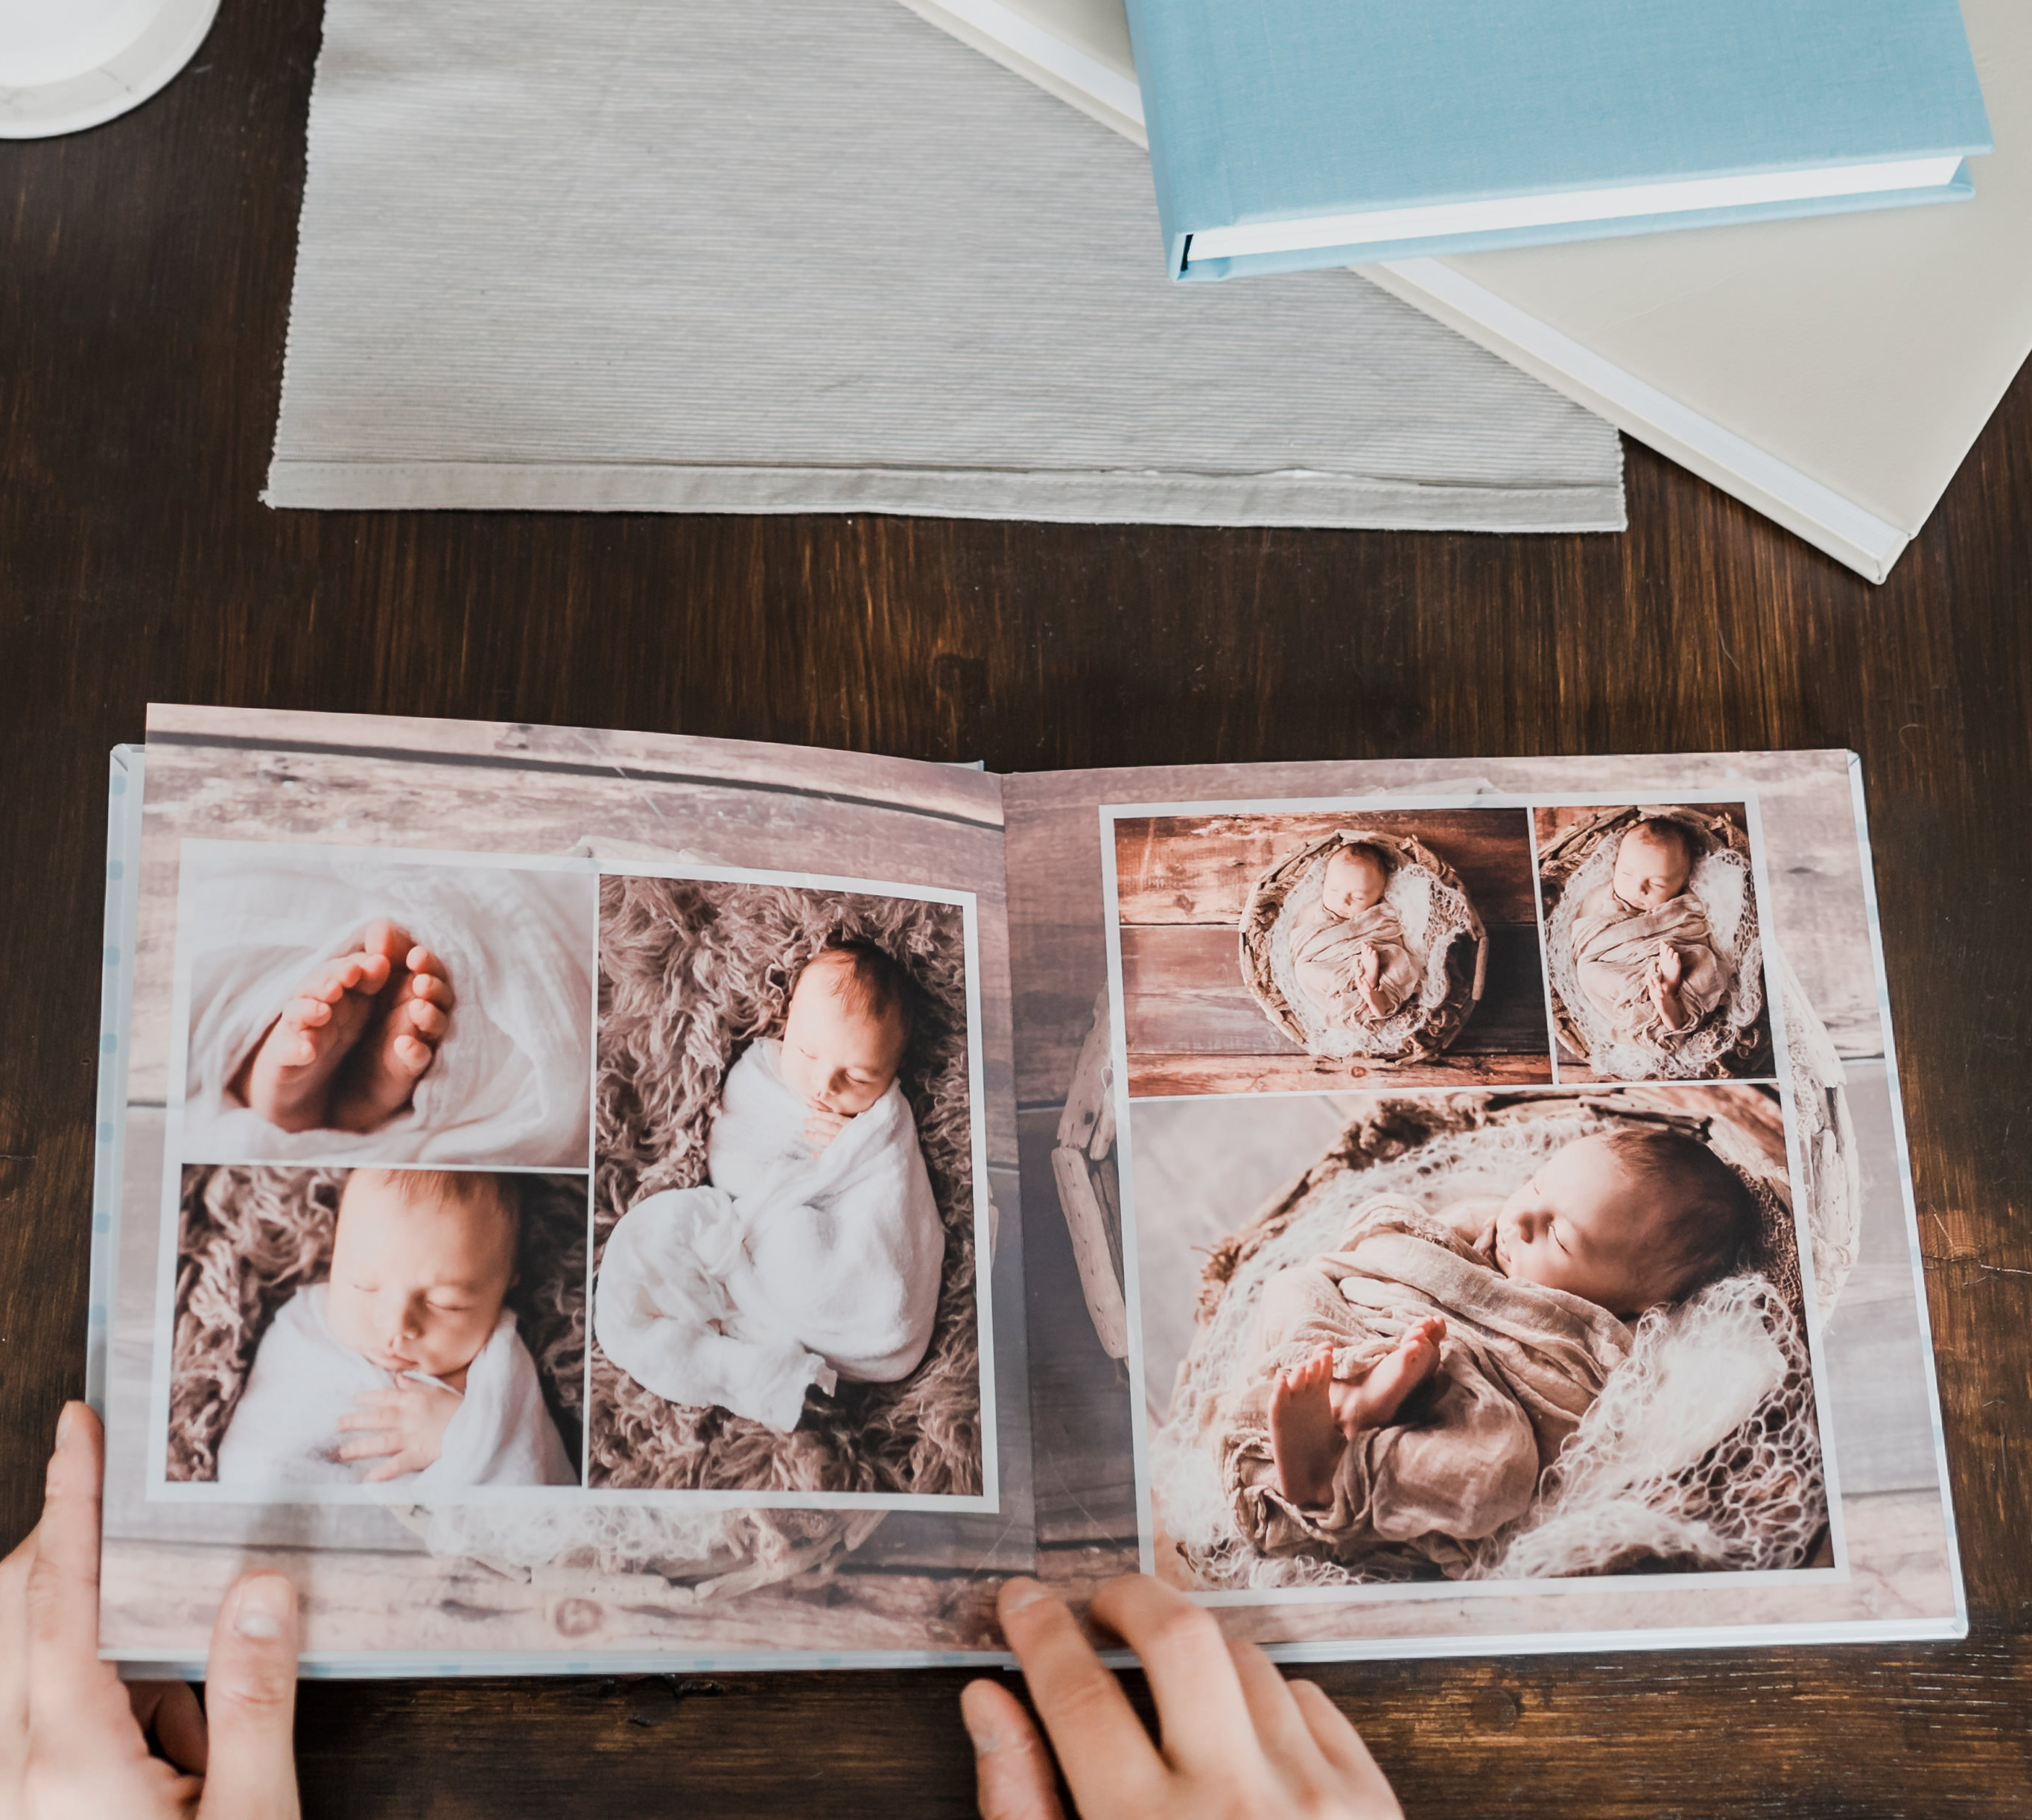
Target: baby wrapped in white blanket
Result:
[816, 1251]
[405, 1367]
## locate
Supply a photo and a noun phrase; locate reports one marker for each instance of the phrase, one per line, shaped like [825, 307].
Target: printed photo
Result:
[1657, 972]
[786, 1297]
[1487, 1336]
[1285, 952]
[350, 1334]
[345, 1006]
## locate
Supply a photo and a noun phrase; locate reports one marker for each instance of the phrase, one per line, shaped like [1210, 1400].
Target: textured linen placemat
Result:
[814, 255]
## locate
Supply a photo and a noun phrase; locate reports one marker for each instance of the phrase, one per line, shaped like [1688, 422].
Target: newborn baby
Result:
[405, 1365]
[346, 1051]
[815, 1252]
[1642, 946]
[1347, 946]
[1410, 1386]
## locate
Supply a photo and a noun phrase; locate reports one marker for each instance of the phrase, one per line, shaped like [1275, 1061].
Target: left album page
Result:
[563, 1213]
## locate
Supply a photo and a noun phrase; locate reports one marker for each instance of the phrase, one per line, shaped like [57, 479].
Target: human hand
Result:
[74, 1742]
[1238, 1741]
[403, 1427]
[823, 1126]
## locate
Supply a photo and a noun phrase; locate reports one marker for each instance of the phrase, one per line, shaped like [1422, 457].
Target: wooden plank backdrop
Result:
[1191, 1024]
[144, 280]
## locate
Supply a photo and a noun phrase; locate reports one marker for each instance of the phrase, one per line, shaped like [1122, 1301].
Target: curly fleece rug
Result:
[249, 1238]
[690, 973]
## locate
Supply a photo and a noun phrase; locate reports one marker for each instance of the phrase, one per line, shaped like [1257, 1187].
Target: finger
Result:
[1201, 1712]
[14, 1572]
[250, 1703]
[64, 1672]
[170, 1709]
[1108, 1758]
[376, 1446]
[1341, 1744]
[1013, 1779]
[1281, 1731]
[393, 1469]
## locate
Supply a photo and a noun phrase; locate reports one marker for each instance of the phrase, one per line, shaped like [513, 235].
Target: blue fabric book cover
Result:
[1287, 134]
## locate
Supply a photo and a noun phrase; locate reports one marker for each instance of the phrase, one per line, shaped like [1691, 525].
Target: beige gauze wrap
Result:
[1519, 1367]
[1614, 951]
[1326, 949]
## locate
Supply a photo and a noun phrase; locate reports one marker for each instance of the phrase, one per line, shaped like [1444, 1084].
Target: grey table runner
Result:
[814, 255]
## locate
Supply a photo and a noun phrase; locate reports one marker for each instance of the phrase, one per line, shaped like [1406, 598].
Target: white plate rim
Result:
[122, 82]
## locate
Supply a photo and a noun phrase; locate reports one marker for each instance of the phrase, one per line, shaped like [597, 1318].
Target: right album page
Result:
[1484, 1219]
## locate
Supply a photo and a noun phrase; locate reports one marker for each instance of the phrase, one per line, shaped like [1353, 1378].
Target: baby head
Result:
[420, 1263]
[1355, 881]
[848, 1026]
[1653, 862]
[1627, 1219]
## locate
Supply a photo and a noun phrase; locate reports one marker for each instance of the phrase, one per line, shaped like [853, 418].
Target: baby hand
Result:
[822, 1127]
[403, 1428]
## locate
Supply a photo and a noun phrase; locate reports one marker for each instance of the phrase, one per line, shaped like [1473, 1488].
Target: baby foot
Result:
[1374, 1402]
[1667, 971]
[288, 1079]
[395, 1052]
[1305, 1441]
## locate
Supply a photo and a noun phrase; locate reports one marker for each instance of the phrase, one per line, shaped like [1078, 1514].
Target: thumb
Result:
[250, 1700]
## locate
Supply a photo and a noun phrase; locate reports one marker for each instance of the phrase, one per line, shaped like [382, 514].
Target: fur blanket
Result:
[507, 1087]
[692, 971]
[286, 1430]
[790, 1270]
[249, 1238]
[1518, 1368]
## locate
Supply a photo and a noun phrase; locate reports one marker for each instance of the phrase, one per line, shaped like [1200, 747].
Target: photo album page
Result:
[588, 1202]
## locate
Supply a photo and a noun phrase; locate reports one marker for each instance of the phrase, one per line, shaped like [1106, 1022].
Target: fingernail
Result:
[979, 1727]
[263, 1610]
[66, 1427]
[1020, 1595]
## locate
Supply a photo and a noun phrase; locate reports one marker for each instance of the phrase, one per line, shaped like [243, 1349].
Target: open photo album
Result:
[585, 1201]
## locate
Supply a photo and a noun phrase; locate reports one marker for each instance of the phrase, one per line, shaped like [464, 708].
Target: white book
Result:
[1830, 372]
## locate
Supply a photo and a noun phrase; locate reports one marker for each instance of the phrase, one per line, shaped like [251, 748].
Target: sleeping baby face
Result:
[419, 1265]
[1354, 882]
[1605, 1227]
[845, 1032]
[1651, 867]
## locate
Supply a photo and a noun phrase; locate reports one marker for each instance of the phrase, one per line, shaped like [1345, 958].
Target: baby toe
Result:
[428, 1020]
[411, 1055]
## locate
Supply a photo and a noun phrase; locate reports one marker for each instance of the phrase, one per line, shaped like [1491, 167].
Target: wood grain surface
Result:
[144, 277]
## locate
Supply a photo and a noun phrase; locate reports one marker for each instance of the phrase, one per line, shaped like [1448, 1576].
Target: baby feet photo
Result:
[348, 1048]
[349, 1006]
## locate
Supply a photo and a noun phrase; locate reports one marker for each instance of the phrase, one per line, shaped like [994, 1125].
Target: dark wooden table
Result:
[144, 281]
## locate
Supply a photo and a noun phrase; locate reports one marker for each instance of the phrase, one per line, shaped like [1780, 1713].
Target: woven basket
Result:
[1730, 1038]
[1453, 960]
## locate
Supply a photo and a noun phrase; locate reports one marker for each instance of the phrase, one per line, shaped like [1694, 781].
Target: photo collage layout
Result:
[1458, 1209]
[501, 1179]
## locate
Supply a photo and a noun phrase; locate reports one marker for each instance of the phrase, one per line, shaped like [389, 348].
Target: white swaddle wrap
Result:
[509, 1084]
[285, 1429]
[789, 1270]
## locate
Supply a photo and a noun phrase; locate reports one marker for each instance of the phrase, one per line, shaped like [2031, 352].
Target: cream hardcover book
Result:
[584, 1200]
[1831, 373]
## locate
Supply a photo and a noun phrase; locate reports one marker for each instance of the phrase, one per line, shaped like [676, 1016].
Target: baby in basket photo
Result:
[1643, 948]
[814, 1251]
[406, 1366]
[1347, 945]
[1409, 1387]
